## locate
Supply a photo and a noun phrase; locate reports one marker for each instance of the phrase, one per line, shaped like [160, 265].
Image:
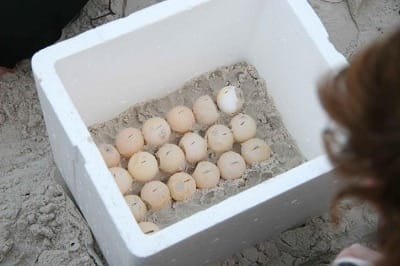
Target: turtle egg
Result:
[137, 207]
[110, 155]
[129, 141]
[182, 186]
[243, 127]
[143, 166]
[205, 110]
[148, 227]
[255, 151]
[181, 119]
[206, 175]
[156, 194]
[171, 158]
[122, 178]
[194, 146]
[231, 165]
[156, 131]
[219, 138]
[230, 99]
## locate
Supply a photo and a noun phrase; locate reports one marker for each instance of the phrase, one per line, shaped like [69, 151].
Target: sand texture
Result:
[353, 24]
[40, 225]
[258, 104]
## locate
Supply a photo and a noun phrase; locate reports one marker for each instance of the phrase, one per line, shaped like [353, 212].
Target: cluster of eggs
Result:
[192, 148]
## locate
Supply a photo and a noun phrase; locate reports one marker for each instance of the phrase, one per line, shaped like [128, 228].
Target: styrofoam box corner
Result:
[96, 75]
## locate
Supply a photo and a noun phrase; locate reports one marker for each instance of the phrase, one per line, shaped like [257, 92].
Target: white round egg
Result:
[129, 141]
[137, 207]
[156, 131]
[231, 165]
[110, 155]
[255, 151]
[156, 194]
[206, 175]
[219, 138]
[230, 99]
[243, 127]
[143, 166]
[205, 110]
[194, 146]
[171, 158]
[182, 186]
[122, 178]
[148, 227]
[181, 119]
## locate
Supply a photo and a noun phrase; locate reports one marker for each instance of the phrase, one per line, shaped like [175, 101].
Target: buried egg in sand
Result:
[137, 207]
[110, 155]
[148, 227]
[122, 178]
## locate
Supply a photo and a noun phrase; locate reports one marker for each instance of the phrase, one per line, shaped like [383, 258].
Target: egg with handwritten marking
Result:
[156, 194]
[219, 138]
[255, 150]
[206, 175]
[205, 110]
[243, 127]
[122, 178]
[143, 166]
[182, 186]
[137, 207]
[110, 155]
[181, 119]
[194, 146]
[128, 141]
[231, 165]
[171, 158]
[156, 131]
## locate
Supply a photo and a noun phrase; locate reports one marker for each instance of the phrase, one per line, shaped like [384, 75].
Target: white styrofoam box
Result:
[96, 75]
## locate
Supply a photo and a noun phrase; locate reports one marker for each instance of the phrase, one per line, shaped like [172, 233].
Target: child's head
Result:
[363, 100]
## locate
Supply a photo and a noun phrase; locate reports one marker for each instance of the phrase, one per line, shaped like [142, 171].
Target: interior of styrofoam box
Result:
[153, 60]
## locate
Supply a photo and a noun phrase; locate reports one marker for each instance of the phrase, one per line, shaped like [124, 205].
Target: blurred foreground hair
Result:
[363, 100]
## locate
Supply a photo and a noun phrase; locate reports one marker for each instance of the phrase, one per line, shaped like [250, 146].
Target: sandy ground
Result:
[40, 225]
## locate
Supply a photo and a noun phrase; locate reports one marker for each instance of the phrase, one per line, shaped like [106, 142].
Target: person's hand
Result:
[360, 252]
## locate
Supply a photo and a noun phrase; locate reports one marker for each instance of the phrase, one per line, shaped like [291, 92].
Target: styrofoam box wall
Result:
[96, 75]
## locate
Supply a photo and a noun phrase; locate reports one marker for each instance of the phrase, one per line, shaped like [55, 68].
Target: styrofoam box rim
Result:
[43, 64]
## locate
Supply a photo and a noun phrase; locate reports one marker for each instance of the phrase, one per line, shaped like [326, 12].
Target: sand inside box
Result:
[258, 104]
